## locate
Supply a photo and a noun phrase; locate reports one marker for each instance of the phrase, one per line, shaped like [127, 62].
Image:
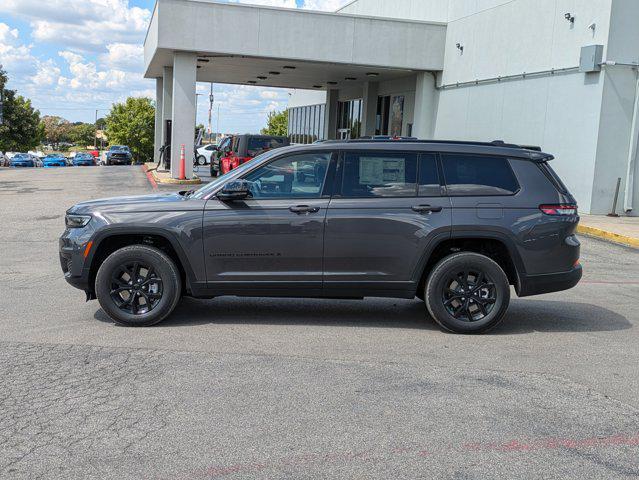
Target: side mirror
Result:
[235, 190]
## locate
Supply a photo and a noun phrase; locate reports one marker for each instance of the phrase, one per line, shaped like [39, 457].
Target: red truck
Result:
[239, 149]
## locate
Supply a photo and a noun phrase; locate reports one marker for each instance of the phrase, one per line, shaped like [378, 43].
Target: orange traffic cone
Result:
[182, 163]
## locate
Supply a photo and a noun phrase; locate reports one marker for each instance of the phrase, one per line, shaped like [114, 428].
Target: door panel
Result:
[377, 245]
[273, 240]
[264, 241]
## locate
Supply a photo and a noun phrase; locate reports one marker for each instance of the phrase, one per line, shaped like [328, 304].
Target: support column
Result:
[167, 101]
[330, 115]
[183, 126]
[157, 139]
[369, 108]
[426, 101]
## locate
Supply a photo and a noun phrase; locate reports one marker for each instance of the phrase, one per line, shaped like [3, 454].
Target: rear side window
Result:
[472, 175]
[379, 174]
[429, 185]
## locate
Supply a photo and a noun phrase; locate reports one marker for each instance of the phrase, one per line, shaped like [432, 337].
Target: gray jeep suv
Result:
[453, 223]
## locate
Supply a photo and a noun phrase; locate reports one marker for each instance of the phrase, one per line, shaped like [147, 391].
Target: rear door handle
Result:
[426, 209]
[299, 209]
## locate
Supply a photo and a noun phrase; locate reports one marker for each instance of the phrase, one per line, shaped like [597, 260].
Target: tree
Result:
[56, 130]
[83, 134]
[276, 124]
[100, 124]
[20, 130]
[132, 123]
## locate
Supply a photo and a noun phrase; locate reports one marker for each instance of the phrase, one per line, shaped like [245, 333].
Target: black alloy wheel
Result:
[469, 296]
[467, 292]
[138, 285]
[136, 288]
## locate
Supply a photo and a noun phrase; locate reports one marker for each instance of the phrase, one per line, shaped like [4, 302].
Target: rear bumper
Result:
[553, 282]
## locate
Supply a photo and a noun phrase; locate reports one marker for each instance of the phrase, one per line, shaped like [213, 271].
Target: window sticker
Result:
[381, 170]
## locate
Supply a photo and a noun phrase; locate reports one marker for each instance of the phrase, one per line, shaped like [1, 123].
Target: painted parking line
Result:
[509, 447]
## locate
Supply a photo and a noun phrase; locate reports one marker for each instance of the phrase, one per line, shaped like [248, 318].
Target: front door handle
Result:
[299, 209]
[426, 209]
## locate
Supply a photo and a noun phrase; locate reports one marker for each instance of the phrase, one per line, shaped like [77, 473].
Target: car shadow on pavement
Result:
[524, 316]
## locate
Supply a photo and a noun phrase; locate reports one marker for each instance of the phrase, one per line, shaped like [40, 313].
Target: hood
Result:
[159, 202]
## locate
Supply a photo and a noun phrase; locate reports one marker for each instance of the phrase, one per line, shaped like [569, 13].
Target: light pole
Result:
[211, 99]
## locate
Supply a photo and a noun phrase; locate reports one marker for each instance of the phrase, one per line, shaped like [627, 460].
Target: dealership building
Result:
[560, 74]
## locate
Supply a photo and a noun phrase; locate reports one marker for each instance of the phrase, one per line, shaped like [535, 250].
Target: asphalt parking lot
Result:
[303, 389]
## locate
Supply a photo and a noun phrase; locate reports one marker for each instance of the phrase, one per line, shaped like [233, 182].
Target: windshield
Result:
[83, 155]
[21, 156]
[118, 147]
[219, 181]
[53, 155]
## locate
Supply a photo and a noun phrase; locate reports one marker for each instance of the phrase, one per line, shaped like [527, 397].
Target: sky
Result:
[71, 57]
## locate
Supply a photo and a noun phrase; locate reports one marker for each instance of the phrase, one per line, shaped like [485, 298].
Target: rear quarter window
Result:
[477, 175]
[553, 177]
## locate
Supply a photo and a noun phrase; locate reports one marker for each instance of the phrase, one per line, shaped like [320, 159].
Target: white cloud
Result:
[124, 56]
[48, 74]
[14, 54]
[82, 24]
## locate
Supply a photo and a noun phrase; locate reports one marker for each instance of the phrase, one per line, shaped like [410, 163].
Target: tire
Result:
[447, 300]
[118, 306]
[201, 160]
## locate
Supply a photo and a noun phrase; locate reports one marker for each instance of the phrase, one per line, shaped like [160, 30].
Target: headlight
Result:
[77, 221]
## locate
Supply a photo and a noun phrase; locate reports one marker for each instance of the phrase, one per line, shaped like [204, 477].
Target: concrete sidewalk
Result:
[622, 230]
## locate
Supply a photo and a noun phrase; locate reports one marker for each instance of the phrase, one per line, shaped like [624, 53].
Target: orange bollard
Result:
[182, 172]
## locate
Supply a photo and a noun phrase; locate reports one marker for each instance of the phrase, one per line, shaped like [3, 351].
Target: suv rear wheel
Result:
[467, 293]
[138, 286]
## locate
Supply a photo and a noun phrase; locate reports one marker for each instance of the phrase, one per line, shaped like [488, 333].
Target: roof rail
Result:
[494, 143]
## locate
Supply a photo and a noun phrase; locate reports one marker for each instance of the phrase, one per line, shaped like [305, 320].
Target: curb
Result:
[608, 236]
[149, 176]
[155, 179]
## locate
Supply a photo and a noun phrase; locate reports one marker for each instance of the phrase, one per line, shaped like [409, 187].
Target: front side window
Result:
[379, 174]
[295, 176]
[472, 175]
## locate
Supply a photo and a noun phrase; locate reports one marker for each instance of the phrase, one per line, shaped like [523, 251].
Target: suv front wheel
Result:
[138, 286]
[467, 293]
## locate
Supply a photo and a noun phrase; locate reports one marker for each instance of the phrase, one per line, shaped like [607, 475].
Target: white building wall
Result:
[619, 94]
[424, 10]
[561, 112]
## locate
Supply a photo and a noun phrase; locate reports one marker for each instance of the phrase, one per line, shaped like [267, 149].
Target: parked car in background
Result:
[54, 160]
[204, 153]
[23, 160]
[118, 155]
[36, 153]
[242, 148]
[84, 160]
[455, 224]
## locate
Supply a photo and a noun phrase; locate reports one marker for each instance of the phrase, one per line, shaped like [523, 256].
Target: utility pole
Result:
[1, 102]
[211, 99]
[96, 130]
[219, 132]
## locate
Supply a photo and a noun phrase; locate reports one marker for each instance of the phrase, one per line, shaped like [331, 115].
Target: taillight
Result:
[559, 209]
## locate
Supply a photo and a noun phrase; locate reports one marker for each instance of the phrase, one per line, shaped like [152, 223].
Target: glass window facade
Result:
[306, 124]
[349, 117]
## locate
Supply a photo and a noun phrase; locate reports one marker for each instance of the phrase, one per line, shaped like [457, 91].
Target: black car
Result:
[118, 155]
[453, 223]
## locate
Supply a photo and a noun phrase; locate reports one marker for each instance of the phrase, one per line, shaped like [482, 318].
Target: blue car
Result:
[22, 160]
[83, 160]
[54, 160]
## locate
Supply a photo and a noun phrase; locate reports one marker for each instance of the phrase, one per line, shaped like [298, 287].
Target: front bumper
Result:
[554, 282]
